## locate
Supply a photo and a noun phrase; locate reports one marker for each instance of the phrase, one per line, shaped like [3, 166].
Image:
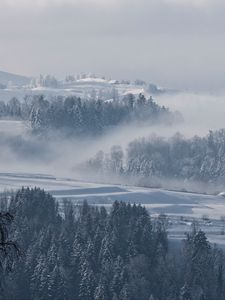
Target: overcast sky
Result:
[174, 43]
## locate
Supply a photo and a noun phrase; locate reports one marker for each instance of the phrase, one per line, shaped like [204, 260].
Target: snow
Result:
[135, 91]
[222, 194]
[180, 207]
[82, 88]
[156, 200]
[92, 80]
[109, 101]
[113, 81]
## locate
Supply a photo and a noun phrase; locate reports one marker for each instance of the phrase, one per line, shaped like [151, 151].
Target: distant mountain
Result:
[14, 79]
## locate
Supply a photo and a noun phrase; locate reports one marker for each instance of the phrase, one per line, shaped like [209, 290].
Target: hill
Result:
[18, 80]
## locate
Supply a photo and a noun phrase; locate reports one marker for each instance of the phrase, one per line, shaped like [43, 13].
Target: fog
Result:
[201, 111]
[57, 155]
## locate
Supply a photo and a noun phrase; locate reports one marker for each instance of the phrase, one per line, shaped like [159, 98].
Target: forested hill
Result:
[92, 254]
[86, 117]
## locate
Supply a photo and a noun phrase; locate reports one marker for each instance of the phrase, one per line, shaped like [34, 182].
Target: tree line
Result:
[79, 117]
[200, 159]
[87, 252]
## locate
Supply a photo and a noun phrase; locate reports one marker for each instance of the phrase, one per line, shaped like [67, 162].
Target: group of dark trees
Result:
[84, 252]
[13, 109]
[80, 117]
[94, 117]
[8, 248]
[199, 159]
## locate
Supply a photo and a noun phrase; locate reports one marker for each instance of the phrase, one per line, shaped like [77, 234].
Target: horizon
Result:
[202, 91]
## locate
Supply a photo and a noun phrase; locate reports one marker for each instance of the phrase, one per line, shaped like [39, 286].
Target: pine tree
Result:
[87, 283]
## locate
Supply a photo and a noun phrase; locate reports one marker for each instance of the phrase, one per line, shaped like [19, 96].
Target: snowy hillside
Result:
[89, 87]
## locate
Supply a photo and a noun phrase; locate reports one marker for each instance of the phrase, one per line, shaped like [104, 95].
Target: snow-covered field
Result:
[181, 208]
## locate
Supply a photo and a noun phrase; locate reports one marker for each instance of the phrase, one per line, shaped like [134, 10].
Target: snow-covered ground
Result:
[84, 88]
[181, 208]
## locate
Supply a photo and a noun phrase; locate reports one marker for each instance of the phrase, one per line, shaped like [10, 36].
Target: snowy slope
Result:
[86, 88]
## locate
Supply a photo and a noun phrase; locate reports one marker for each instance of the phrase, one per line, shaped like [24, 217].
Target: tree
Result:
[6, 244]
[9, 249]
[198, 263]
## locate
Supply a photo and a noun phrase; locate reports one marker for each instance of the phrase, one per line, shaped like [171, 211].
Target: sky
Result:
[174, 43]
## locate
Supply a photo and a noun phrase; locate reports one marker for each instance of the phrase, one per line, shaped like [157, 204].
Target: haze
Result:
[177, 44]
